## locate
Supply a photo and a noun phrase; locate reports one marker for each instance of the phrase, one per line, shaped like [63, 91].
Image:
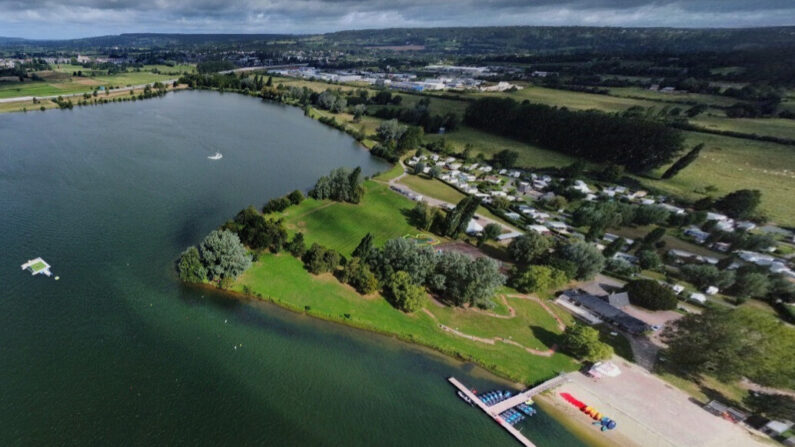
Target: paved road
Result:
[482, 220]
[71, 95]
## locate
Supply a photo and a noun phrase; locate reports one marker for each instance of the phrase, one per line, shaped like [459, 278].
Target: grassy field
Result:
[488, 145]
[57, 84]
[19, 106]
[774, 127]
[342, 225]
[728, 164]
[682, 98]
[572, 100]
[283, 280]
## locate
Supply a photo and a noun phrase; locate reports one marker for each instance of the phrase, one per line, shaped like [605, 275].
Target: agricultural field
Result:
[771, 127]
[489, 144]
[727, 164]
[60, 81]
[682, 98]
[572, 100]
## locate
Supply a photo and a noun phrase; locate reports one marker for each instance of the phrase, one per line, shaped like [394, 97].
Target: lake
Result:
[118, 352]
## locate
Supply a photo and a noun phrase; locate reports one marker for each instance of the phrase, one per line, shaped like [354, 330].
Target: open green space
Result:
[771, 127]
[55, 83]
[283, 280]
[727, 164]
[572, 100]
[342, 225]
[529, 327]
[489, 144]
[679, 97]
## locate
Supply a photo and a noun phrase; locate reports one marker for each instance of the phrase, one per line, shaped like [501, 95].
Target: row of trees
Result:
[421, 116]
[638, 144]
[282, 203]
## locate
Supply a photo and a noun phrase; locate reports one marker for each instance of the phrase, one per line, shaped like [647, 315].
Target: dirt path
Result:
[560, 323]
[512, 314]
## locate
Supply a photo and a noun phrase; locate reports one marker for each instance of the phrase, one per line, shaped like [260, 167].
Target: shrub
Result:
[650, 294]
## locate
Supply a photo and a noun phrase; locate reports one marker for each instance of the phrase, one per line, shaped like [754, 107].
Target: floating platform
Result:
[37, 266]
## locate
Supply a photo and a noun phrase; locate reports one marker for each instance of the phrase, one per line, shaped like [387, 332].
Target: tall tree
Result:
[734, 343]
[739, 204]
[683, 162]
[583, 342]
[528, 248]
[223, 255]
[586, 258]
[365, 247]
[404, 294]
[190, 267]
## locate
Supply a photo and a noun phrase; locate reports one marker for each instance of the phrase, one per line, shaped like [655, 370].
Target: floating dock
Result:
[37, 266]
[495, 410]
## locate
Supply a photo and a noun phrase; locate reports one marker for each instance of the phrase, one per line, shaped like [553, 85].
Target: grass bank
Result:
[282, 280]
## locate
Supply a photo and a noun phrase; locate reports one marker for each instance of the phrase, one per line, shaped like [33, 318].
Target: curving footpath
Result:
[493, 340]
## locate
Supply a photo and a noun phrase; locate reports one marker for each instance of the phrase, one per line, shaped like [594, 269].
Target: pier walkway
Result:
[500, 407]
[495, 410]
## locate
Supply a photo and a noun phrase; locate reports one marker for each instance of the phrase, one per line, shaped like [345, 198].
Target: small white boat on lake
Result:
[217, 156]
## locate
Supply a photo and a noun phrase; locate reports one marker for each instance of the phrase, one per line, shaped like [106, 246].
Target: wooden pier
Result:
[495, 410]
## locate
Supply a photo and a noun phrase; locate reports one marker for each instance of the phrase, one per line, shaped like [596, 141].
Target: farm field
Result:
[572, 100]
[683, 98]
[727, 164]
[488, 145]
[56, 83]
[772, 127]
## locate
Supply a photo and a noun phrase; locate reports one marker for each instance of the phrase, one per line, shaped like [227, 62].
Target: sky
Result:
[58, 19]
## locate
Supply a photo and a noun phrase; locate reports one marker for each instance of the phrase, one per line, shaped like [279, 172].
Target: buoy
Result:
[57, 278]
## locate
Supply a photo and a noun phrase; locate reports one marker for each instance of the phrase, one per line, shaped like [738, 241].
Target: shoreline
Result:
[544, 401]
[577, 424]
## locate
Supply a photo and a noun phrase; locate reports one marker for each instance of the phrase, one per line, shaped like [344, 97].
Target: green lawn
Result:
[283, 280]
[727, 164]
[342, 225]
[532, 327]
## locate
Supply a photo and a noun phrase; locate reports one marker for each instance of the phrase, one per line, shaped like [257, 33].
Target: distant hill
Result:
[478, 40]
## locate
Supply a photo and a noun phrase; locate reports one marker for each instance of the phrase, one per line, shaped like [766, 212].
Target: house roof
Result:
[608, 312]
[618, 300]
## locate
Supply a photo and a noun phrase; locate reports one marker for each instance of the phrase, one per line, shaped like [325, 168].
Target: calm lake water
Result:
[117, 352]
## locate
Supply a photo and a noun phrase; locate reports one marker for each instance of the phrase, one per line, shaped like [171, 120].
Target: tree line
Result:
[638, 144]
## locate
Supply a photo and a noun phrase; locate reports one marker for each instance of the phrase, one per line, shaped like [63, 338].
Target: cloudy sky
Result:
[81, 18]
